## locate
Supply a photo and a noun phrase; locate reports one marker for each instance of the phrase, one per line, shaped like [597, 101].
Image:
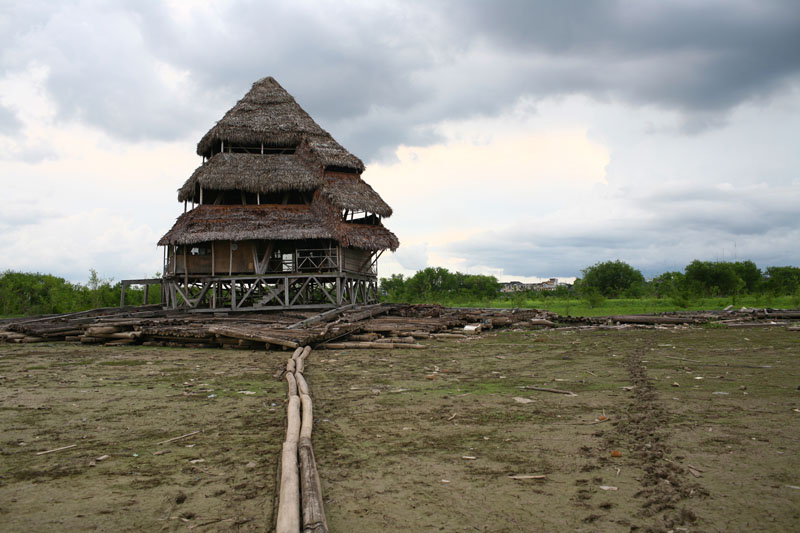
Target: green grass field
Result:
[627, 306]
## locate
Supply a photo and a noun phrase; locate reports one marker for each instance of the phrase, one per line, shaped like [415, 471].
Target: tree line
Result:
[34, 294]
[609, 279]
[23, 293]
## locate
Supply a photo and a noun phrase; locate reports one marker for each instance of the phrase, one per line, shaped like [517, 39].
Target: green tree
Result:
[611, 279]
[782, 280]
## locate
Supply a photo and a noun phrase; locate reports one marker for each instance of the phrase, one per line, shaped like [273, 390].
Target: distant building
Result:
[517, 286]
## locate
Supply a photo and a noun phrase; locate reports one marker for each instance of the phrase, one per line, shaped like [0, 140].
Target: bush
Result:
[612, 279]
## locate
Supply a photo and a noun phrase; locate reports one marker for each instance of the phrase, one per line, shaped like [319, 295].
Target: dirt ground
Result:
[705, 422]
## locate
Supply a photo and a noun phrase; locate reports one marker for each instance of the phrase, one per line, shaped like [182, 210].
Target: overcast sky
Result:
[520, 139]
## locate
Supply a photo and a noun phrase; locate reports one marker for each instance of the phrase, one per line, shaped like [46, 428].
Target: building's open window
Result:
[253, 148]
[200, 250]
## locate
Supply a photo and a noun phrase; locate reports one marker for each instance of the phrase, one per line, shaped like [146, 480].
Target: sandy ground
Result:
[705, 422]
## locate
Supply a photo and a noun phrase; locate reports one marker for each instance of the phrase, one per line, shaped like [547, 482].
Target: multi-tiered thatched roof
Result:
[300, 156]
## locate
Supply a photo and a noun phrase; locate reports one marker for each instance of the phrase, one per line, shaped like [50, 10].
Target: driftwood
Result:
[755, 324]
[56, 449]
[369, 345]
[406, 340]
[289, 499]
[364, 337]
[651, 319]
[178, 438]
[241, 333]
[545, 389]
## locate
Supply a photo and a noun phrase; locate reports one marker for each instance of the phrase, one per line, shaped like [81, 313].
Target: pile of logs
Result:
[373, 326]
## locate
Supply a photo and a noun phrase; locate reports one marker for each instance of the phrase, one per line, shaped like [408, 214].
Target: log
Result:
[307, 423]
[541, 322]
[238, 333]
[289, 500]
[311, 490]
[448, 336]
[119, 342]
[302, 384]
[364, 337]
[369, 345]
[33, 339]
[755, 324]
[290, 366]
[99, 331]
[643, 319]
[292, 383]
[406, 340]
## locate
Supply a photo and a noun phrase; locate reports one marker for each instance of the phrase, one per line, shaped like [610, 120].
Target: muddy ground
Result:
[705, 423]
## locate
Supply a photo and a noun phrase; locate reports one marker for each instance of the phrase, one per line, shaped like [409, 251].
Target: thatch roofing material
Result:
[254, 173]
[208, 223]
[348, 191]
[239, 223]
[367, 237]
[268, 114]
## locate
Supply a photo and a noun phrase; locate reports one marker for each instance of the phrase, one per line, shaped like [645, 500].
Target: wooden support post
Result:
[122, 295]
[185, 270]
[146, 293]
[230, 258]
[201, 195]
[213, 258]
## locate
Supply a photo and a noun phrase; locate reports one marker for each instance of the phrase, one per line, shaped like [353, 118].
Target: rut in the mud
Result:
[645, 432]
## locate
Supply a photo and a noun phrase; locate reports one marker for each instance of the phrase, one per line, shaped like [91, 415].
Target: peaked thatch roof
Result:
[208, 223]
[270, 115]
[252, 173]
[348, 191]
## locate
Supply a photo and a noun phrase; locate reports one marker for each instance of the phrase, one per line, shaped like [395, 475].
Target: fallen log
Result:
[289, 499]
[545, 389]
[311, 490]
[644, 319]
[755, 324]
[100, 331]
[406, 340]
[369, 345]
[448, 336]
[364, 337]
[238, 333]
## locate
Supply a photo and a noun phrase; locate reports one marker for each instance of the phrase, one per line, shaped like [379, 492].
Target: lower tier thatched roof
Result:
[208, 223]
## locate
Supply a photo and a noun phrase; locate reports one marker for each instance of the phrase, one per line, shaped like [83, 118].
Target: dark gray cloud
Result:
[378, 75]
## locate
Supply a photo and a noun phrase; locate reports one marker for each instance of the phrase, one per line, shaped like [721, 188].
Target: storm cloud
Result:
[649, 131]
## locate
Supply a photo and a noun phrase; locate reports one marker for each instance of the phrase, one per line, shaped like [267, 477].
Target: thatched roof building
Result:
[274, 186]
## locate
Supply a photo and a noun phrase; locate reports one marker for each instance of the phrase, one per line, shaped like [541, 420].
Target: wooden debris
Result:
[370, 346]
[57, 449]
[545, 389]
[528, 476]
[173, 439]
